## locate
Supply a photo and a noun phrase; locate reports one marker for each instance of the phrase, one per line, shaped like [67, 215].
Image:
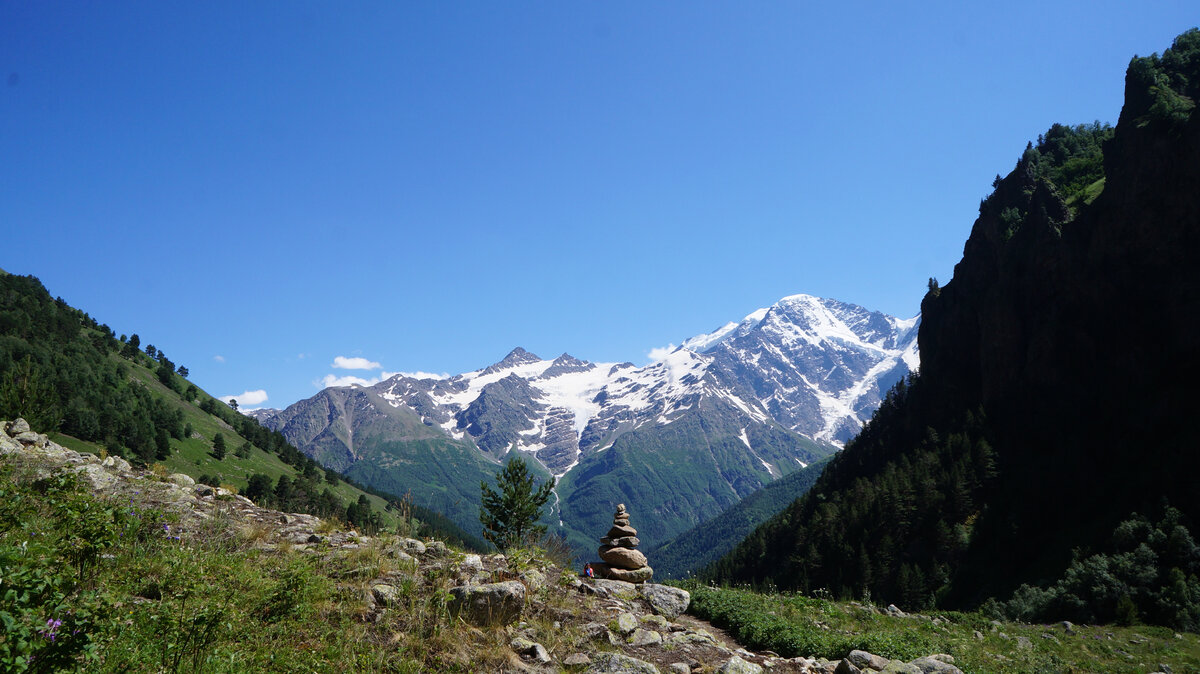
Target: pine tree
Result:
[510, 516]
[218, 450]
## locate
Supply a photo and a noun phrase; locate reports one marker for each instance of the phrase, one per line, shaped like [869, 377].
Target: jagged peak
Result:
[517, 356]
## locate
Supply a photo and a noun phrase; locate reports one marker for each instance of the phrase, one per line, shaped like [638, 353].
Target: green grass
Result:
[130, 597]
[793, 625]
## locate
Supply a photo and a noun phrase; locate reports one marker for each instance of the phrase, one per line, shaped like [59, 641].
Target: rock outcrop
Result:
[618, 549]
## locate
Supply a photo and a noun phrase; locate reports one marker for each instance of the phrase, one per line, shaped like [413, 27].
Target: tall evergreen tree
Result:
[510, 516]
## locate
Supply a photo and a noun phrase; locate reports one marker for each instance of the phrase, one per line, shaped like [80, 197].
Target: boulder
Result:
[488, 605]
[616, 663]
[17, 426]
[623, 558]
[618, 589]
[665, 600]
[629, 576]
[644, 637]
[865, 660]
[736, 665]
[181, 480]
[932, 665]
[625, 623]
[847, 667]
[96, 476]
[385, 595]
[471, 564]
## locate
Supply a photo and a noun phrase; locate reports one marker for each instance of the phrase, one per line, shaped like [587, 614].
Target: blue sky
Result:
[260, 189]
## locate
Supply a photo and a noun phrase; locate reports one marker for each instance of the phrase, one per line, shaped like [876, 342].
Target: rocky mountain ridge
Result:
[690, 434]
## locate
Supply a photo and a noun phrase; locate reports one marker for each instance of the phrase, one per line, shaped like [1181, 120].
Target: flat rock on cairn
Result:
[618, 550]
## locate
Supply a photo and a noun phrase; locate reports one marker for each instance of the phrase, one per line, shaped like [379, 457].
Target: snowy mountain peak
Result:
[818, 367]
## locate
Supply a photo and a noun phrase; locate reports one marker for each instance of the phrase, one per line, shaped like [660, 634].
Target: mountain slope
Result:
[703, 544]
[683, 438]
[93, 392]
[1054, 395]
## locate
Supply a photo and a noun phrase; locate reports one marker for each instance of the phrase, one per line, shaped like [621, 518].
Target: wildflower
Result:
[51, 631]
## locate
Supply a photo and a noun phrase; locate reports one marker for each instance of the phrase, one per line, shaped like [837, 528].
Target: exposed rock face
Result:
[621, 560]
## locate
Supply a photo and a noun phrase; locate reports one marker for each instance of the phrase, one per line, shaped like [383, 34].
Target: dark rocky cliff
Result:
[1057, 375]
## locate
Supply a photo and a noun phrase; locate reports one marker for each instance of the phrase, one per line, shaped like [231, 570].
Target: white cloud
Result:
[247, 398]
[658, 353]
[219, 359]
[417, 375]
[347, 380]
[344, 363]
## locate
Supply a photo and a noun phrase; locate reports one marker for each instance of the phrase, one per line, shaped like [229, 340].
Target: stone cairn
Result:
[621, 560]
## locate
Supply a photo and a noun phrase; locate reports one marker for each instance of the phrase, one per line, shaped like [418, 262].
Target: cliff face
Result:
[1079, 337]
[1057, 371]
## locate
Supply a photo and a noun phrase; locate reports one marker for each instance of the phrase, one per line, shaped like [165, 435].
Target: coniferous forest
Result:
[1042, 464]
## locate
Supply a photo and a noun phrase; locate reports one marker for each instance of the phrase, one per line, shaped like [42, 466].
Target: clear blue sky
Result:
[258, 188]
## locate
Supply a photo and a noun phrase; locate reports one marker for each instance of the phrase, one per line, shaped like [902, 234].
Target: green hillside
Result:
[705, 543]
[93, 391]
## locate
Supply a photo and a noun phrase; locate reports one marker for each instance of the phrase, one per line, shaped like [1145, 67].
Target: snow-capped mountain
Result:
[686, 436]
[818, 367]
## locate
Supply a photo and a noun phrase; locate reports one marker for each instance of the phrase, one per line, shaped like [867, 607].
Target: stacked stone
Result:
[621, 560]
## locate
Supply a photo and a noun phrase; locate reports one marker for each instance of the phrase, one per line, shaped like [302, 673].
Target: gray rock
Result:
[411, 545]
[1024, 644]
[534, 579]
[472, 564]
[641, 637]
[622, 542]
[576, 660]
[181, 480]
[895, 611]
[898, 667]
[625, 623]
[978, 635]
[1165, 669]
[932, 665]
[490, 604]
[736, 665]
[616, 663]
[96, 476]
[18, 426]
[665, 600]
[117, 463]
[680, 668]
[437, 549]
[385, 595]
[846, 667]
[28, 438]
[865, 660]
[656, 621]
[531, 649]
[617, 588]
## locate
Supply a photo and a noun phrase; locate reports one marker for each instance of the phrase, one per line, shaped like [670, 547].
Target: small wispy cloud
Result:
[344, 363]
[247, 398]
[219, 359]
[658, 353]
[417, 375]
[331, 380]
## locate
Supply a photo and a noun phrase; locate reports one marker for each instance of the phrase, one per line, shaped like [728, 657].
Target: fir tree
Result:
[509, 517]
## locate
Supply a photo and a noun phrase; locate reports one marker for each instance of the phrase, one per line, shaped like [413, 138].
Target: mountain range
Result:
[678, 440]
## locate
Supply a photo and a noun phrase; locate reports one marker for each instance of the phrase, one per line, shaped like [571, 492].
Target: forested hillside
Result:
[74, 378]
[1045, 455]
